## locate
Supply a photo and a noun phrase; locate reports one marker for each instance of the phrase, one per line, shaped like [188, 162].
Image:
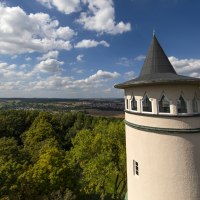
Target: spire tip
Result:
[154, 32]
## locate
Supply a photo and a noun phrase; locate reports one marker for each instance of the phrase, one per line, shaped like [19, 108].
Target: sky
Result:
[82, 48]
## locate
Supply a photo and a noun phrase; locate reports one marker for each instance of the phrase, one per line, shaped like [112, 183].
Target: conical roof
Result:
[157, 69]
[156, 60]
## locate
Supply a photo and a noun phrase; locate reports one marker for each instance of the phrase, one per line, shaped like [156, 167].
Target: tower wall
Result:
[169, 165]
[166, 146]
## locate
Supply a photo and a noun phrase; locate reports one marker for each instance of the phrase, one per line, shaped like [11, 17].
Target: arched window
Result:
[133, 104]
[164, 105]
[181, 105]
[146, 104]
[194, 105]
[127, 106]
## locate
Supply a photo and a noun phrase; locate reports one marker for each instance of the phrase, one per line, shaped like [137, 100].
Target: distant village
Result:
[92, 106]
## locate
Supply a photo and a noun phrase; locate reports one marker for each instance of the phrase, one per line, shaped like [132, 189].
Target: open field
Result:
[104, 113]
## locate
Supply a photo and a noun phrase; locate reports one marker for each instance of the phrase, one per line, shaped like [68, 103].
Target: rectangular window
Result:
[135, 168]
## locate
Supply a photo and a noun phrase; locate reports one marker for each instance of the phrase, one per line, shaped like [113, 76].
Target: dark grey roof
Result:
[157, 69]
[156, 60]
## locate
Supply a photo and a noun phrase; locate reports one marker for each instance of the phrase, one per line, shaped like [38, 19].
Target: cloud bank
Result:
[99, 15]
[187, 67]
[23, 33]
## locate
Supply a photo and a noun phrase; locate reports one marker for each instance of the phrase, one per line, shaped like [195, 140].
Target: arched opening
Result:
[194, 105]
[164, 105]
[181, 105]
[146, 104]
[127, 104]
[133, 104]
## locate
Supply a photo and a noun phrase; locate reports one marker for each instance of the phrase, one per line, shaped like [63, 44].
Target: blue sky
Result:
[81, 48]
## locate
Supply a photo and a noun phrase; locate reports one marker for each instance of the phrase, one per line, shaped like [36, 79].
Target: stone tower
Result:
[162, 118]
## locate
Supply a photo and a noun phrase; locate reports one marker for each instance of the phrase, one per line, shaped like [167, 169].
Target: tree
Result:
[100, 154]
[14, 123]
[49, 173]
[48, 169]
[57, 155]
[58, 195]
[11, 166]
[35, 138]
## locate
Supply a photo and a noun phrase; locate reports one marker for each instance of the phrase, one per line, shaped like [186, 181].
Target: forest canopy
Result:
[61, 156]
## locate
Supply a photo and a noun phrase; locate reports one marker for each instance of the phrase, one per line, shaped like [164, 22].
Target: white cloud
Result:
[2, 65]
[65, 33]
[60, 83]
[3, 3]
[77, 70]
[14, 57]
[124, 62]
[50, 54]
[130, 75]
[49, 65]
[33, 83]
[140, 58]
[9, 73]
[24, 66]
[80, 71]
[108, 90]
[91, 43]
[52, 82]
[100, 76]
[195, 74]
[28, 58]
[100, 17]
[12, 66]
[79, 58]
[65, 6]
[46, 3]
[11, 85]
[185, 66]
[22, 33]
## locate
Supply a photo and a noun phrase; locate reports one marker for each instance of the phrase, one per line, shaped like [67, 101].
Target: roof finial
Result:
[154, 32]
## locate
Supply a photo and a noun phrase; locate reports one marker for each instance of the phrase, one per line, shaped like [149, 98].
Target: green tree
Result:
[48, 169]
[35, 138]
[100, 154]
[11, 166]
[49, 173]
[58, 195]
[14, 123]
[56, 155]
